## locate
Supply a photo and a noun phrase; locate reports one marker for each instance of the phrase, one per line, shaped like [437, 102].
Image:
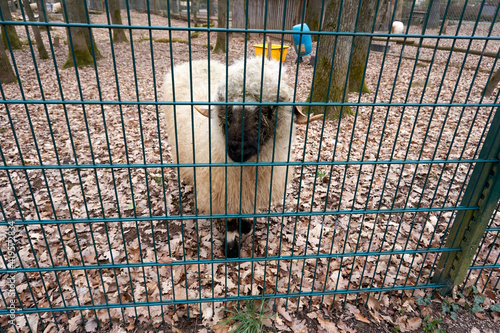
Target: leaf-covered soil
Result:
[90, 133]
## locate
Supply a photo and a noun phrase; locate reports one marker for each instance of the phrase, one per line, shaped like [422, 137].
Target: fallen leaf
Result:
[413, 323]
[327, 325]
[359, 317]
[373, 303]
[284, 314]
[91, 325]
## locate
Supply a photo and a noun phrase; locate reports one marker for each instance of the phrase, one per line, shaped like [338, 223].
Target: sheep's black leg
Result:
[231, 245]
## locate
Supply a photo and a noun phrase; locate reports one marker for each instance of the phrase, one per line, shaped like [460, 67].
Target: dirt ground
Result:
[92, 133]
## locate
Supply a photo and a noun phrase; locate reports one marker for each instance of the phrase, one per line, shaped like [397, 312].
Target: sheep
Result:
[33, 6]
[397, 27]
[57, 8]
[267, 129]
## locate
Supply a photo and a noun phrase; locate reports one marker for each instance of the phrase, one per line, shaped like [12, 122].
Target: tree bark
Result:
[9, 30]
[220, 44]
[116, 18]
[213, 10]
[324, 90]
[81, 43]
[361, 46]
[313, 15]
[492, 83]
[7, 74]
[399, 10]
[434, 13]
[42, 52]
[384, 16]
[42, 13]
[194, 12]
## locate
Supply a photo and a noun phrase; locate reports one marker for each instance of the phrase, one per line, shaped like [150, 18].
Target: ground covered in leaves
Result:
[125, 205]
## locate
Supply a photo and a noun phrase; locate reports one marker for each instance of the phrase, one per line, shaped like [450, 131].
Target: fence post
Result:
[468, 228]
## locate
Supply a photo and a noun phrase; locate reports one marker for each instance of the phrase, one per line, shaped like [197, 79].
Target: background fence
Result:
[396, 199]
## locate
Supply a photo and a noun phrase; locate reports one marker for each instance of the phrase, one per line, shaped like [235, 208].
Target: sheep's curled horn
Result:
[237, 134]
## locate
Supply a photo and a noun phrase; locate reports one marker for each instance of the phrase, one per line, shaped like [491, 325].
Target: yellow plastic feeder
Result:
[276, 51]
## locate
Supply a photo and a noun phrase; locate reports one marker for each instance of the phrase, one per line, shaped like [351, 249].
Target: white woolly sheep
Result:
[57, 8]
[267, 129]
[397, 27]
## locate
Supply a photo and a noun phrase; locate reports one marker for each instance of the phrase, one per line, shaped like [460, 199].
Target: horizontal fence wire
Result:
[99, 226]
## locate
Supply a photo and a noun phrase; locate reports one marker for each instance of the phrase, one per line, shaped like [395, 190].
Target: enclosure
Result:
[394, 193]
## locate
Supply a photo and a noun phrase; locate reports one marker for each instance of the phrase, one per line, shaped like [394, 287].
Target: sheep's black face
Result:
[246, 130]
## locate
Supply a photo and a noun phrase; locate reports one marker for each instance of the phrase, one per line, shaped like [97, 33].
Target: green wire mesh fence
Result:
[99, 228]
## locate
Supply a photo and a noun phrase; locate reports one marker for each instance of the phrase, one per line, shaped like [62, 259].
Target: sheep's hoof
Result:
[232, 249]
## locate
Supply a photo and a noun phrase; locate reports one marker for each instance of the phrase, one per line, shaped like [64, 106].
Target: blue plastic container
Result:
[305, 47]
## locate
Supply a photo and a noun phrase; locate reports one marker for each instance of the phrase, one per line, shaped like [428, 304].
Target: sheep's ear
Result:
[301, 118]
[204, 110]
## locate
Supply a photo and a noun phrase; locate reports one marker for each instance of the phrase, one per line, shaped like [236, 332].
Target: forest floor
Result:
[133, 133]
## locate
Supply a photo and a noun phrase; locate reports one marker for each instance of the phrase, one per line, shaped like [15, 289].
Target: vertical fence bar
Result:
[466, 232]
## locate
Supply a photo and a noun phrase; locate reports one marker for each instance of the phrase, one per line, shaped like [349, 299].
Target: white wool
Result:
[212, 193]
[397, 27]
[57, 7]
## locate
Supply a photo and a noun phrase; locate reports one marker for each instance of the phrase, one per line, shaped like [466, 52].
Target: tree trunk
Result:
[313, 15]
[434, 13]
[42, 52]
[174, 6]
[384, 16]
[194, 12]
[492, 83]
[42, 13]
[81, 42]
[398, 16]
[361, 46]
[323, 89]
[116, 18]
[220, 44]
[10, 30]
[7, 74]
[213, 10]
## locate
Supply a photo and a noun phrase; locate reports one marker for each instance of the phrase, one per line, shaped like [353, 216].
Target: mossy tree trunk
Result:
[7, 74]
[361, 46]
[9, 30]
[81, 42]
[42, 52]
[116, 18]
[220, 44]
[313, 15]
[338, 50]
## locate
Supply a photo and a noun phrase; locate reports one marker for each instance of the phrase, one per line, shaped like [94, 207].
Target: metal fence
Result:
[398, 198]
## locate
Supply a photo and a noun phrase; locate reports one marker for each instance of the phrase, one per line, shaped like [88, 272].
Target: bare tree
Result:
[361, 46]
[81, 43]
[7, 74]
[9, 30]
[336, 49]
[116, 18]
[42, 52]
[220, 44]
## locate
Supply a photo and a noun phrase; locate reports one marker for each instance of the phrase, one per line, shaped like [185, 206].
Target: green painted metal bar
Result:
[468, 227]
[228, 299]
